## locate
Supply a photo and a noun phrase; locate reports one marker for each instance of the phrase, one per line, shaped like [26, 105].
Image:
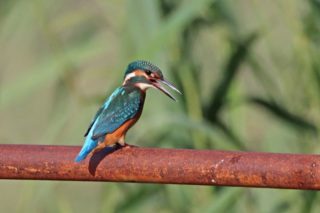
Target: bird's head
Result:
[145, 75]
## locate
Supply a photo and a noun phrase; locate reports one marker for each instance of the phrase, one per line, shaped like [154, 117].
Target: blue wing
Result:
[103, 107]
[121, 106]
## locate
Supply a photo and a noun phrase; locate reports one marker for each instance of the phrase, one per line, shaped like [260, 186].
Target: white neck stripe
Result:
[130, 75]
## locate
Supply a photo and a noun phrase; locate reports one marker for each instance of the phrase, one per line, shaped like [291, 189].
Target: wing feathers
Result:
[124, 106]
[103, 107]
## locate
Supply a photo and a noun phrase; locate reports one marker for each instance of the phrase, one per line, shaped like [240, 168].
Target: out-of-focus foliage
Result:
[249, 71]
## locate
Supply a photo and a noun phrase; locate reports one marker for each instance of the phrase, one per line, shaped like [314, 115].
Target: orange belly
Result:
[115, 136]
[119, 134]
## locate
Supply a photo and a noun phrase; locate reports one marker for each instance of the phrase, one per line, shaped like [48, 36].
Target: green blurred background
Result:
[249, 71]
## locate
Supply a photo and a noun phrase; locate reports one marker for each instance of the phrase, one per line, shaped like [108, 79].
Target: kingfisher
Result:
[123, 108]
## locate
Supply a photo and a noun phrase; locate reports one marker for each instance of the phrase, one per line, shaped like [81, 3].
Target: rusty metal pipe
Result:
[155, 165]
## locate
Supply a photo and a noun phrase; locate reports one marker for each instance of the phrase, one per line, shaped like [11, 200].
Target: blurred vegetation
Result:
[249, 71]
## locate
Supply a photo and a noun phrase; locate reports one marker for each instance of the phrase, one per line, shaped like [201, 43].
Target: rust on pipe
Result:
[168, 166]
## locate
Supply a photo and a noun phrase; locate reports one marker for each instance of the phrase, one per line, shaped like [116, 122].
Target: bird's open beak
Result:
[164, 90]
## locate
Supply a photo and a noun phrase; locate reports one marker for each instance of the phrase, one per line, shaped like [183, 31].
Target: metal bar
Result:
[155, 165]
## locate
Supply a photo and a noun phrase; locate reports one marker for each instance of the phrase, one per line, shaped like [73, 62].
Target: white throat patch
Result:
[143, 86]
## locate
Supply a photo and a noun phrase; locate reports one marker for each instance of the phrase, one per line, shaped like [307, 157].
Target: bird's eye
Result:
[148, 72]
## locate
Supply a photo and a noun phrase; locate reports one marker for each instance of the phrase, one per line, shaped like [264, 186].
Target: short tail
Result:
[88, 146]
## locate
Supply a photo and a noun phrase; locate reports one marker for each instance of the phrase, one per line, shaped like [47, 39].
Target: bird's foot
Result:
[130, 146]
[125, 145]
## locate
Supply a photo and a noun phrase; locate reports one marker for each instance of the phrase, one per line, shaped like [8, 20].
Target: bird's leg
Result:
[121, 141]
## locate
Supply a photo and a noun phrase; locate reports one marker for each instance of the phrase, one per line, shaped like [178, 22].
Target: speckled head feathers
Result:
[142, 65]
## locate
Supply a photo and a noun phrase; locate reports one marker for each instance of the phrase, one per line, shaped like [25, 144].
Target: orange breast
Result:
[114, 137]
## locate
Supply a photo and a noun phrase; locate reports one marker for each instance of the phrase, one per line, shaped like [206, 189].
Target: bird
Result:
[123, 108]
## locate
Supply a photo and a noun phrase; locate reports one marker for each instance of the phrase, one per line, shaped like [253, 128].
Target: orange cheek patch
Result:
[139, 73]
